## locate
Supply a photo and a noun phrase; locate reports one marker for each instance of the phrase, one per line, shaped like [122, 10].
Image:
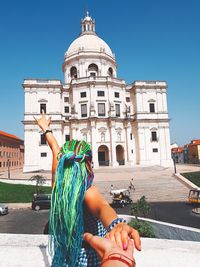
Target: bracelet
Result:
[47, 131]
[129, 262]
[115, 222]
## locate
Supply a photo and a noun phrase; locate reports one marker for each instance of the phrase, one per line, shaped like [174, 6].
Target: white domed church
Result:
[126, 124]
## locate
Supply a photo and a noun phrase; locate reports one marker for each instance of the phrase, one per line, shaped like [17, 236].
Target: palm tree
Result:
[40, 180]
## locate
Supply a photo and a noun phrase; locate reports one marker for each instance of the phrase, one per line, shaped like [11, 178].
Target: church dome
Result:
[88, 41]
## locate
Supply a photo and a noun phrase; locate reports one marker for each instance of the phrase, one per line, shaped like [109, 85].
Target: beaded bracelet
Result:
[115, 222]
[120, 257]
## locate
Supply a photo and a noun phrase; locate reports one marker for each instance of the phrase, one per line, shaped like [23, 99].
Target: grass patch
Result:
[19, 193]
[193, 177]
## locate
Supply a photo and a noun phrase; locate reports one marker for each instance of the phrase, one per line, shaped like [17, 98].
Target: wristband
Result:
[115, 222]
[119, 257]
[47, 131]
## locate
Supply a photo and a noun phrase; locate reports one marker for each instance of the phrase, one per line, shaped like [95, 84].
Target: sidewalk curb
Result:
[16, 206]
[185, 181]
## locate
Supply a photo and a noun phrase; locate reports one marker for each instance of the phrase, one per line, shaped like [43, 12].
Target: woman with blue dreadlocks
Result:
[78, 207]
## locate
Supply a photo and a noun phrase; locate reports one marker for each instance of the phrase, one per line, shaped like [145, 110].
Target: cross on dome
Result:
[88, 24]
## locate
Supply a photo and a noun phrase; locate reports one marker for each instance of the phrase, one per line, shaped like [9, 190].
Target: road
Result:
[171, 212]
[26, 221]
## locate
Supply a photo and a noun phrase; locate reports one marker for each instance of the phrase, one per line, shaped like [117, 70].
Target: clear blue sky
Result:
[152, 40]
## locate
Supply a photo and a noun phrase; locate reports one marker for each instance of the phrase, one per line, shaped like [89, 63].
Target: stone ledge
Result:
[31, 250]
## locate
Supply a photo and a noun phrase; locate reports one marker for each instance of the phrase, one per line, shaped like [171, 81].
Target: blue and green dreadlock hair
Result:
[73, 176]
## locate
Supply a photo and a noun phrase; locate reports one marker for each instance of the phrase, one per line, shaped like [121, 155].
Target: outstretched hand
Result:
[104, 247]
[43, 122]
[121, 233]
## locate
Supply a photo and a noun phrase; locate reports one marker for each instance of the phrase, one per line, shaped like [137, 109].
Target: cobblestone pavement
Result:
[156, 183]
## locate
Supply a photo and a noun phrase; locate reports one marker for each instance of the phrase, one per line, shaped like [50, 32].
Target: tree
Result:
[40, 180]
[141, 207]
[144, 228]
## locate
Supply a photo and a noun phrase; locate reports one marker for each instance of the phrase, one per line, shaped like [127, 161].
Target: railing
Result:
[121, 162]
[104, 163]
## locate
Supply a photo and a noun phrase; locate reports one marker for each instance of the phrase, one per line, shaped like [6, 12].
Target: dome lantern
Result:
[87, 24]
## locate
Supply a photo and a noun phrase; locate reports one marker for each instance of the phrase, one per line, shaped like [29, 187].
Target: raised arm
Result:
[44, 124]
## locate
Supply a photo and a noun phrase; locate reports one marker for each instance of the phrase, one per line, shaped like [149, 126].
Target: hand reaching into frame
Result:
[43, 122]
[105, 247]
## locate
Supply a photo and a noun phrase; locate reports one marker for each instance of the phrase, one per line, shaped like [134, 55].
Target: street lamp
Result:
[174, 161]
[8, 163]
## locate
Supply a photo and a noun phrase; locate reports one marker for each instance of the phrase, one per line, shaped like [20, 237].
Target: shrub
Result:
[144, 228]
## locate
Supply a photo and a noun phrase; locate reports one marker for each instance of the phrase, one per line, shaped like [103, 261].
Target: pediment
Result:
[42, 100]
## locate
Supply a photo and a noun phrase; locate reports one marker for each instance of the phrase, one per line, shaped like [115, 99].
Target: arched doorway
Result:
[120, 154]
[103, 156]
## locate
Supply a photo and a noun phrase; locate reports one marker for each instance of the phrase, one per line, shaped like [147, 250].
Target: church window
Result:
[73, 72]
[154, 137]
[66, 109]
[43, 154]
[0, 164]
[101, 109]
[127, 99]
[131, 136]
[83, 110]
[155, 150]
[100, 93]
[110, 72]
[117, 94]
[152, 107]
[67, 137]
[43, 107]
[117, 110]
[66, 99]
[93, 74]
[43, 140]
[83, 94]
[93, 70]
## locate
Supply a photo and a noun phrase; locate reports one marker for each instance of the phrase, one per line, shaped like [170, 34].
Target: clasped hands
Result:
[119, 240]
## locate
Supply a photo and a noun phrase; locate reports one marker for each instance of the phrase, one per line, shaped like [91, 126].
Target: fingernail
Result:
[124, 246]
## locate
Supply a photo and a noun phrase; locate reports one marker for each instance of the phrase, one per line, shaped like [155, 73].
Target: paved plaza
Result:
[156, 183]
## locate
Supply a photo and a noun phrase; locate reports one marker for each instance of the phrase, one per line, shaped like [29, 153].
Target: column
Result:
[129, 146]
[114, 162]
[74, 132]
[94, 144]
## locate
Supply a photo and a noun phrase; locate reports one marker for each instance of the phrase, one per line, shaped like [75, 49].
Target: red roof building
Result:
[11, 152]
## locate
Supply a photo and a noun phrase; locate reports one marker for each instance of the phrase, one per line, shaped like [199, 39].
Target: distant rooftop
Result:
[9, 135]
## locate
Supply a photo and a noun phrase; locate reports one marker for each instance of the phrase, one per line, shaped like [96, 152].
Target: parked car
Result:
[41, 201]
[3, 209]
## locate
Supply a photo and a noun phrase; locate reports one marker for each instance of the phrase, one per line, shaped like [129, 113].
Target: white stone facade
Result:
[125, 124]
